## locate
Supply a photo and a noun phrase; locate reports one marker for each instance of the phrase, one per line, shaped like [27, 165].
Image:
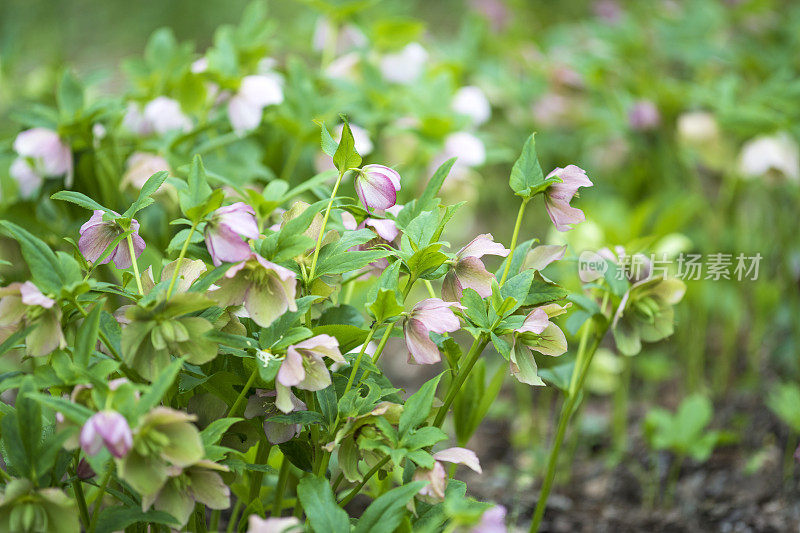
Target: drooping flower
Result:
[377, 186]
[472, 102]
[109, 429]
[23, 304]
[468, 272]
[539, 334]
[97, 234]
[140, 166]
[386, 232]
[405, 66]
[255, 93]
[225, 230]
[773, 155]
[262, 403]
[644, 116]
[265, 289]
[558, 196]
[256, 524]
[437, 477]
[541, 256]
[304, 368]
[431, 315]
[42, 154]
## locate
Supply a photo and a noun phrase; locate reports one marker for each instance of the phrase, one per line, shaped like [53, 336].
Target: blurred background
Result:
[684, 114]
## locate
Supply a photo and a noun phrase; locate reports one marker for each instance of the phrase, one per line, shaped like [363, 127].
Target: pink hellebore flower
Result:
[24, 303]
[164, 114]
[644, 116]
[428, 315]
[140, 166]
[267, 290]
[558, 196]
[255, 93]
[42, 154]
[107, 428]
[256, 524]
[225, 230]
[469, 272]
[97, 234]
[377, 186]
[305, 369]
[437, 475]
[262, 403]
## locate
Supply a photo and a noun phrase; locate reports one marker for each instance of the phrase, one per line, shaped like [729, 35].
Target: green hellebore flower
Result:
[25, 509]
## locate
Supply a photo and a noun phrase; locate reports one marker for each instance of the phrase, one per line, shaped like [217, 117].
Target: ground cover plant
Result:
[344, 267]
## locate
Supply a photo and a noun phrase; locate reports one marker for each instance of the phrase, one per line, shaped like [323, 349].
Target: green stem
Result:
[239, 399]
[98, 501]
[472, 357]
[234, 515]
[359, 357]
[280, 488]
[135, 264]
[567, 410]
[180, 259]
[77, 487]
[215, 519]
[322, 228]
[428, 286]
[352, 494]
[514, 238]
[262, 455]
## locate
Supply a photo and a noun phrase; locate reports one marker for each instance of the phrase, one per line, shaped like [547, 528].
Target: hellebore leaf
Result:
[346, 156]
[320, 506]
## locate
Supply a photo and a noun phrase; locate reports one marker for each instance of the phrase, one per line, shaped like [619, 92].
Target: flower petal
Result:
[461, 456]
[421, 348]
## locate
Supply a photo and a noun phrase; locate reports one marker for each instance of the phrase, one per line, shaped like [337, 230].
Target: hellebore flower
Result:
[97, 234]
[255, 93]
[386, 232]
[107, 428]
[377, 186]
[304, 368]
[428, 315]
[24, 304]
[469, 272]
[437, 475]
[26, 509]
[140, 166]
[225, 230]
[541, 256]
[472, 102]
[646, 313]
[42, 154]
[265, 289]
[558, 196]
[771, 155]
[469, 149]
[697, 128]
[492, 521]
[164, 441]
[256, 524]
[539, 334]
[189, 271]
[405, 66]
[644, 116]
[262, 403]
[164, 114]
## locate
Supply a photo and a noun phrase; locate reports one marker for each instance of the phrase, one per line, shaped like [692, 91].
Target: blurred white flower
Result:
[164, 114]
[469, 150]
[472, 102]
[343, 67]
[42, 154]
[140, 166]
[255, 93]
[405, 66]
[697, 127]
[775, 153]
[200, 65]
[361, 139]
[348, 38]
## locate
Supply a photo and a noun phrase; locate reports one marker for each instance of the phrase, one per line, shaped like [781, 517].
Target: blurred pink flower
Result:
[492, 521]
[42, 154]
[265, 289]
[377, 186]
[97, 235]
[469, 271]
[107, 428]
[140, 166]
[225, 230]
[15, 301]
[304, 368]
[644, 116]
[472, 102]
[559, 195]
[164, 114]
[428, 315]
